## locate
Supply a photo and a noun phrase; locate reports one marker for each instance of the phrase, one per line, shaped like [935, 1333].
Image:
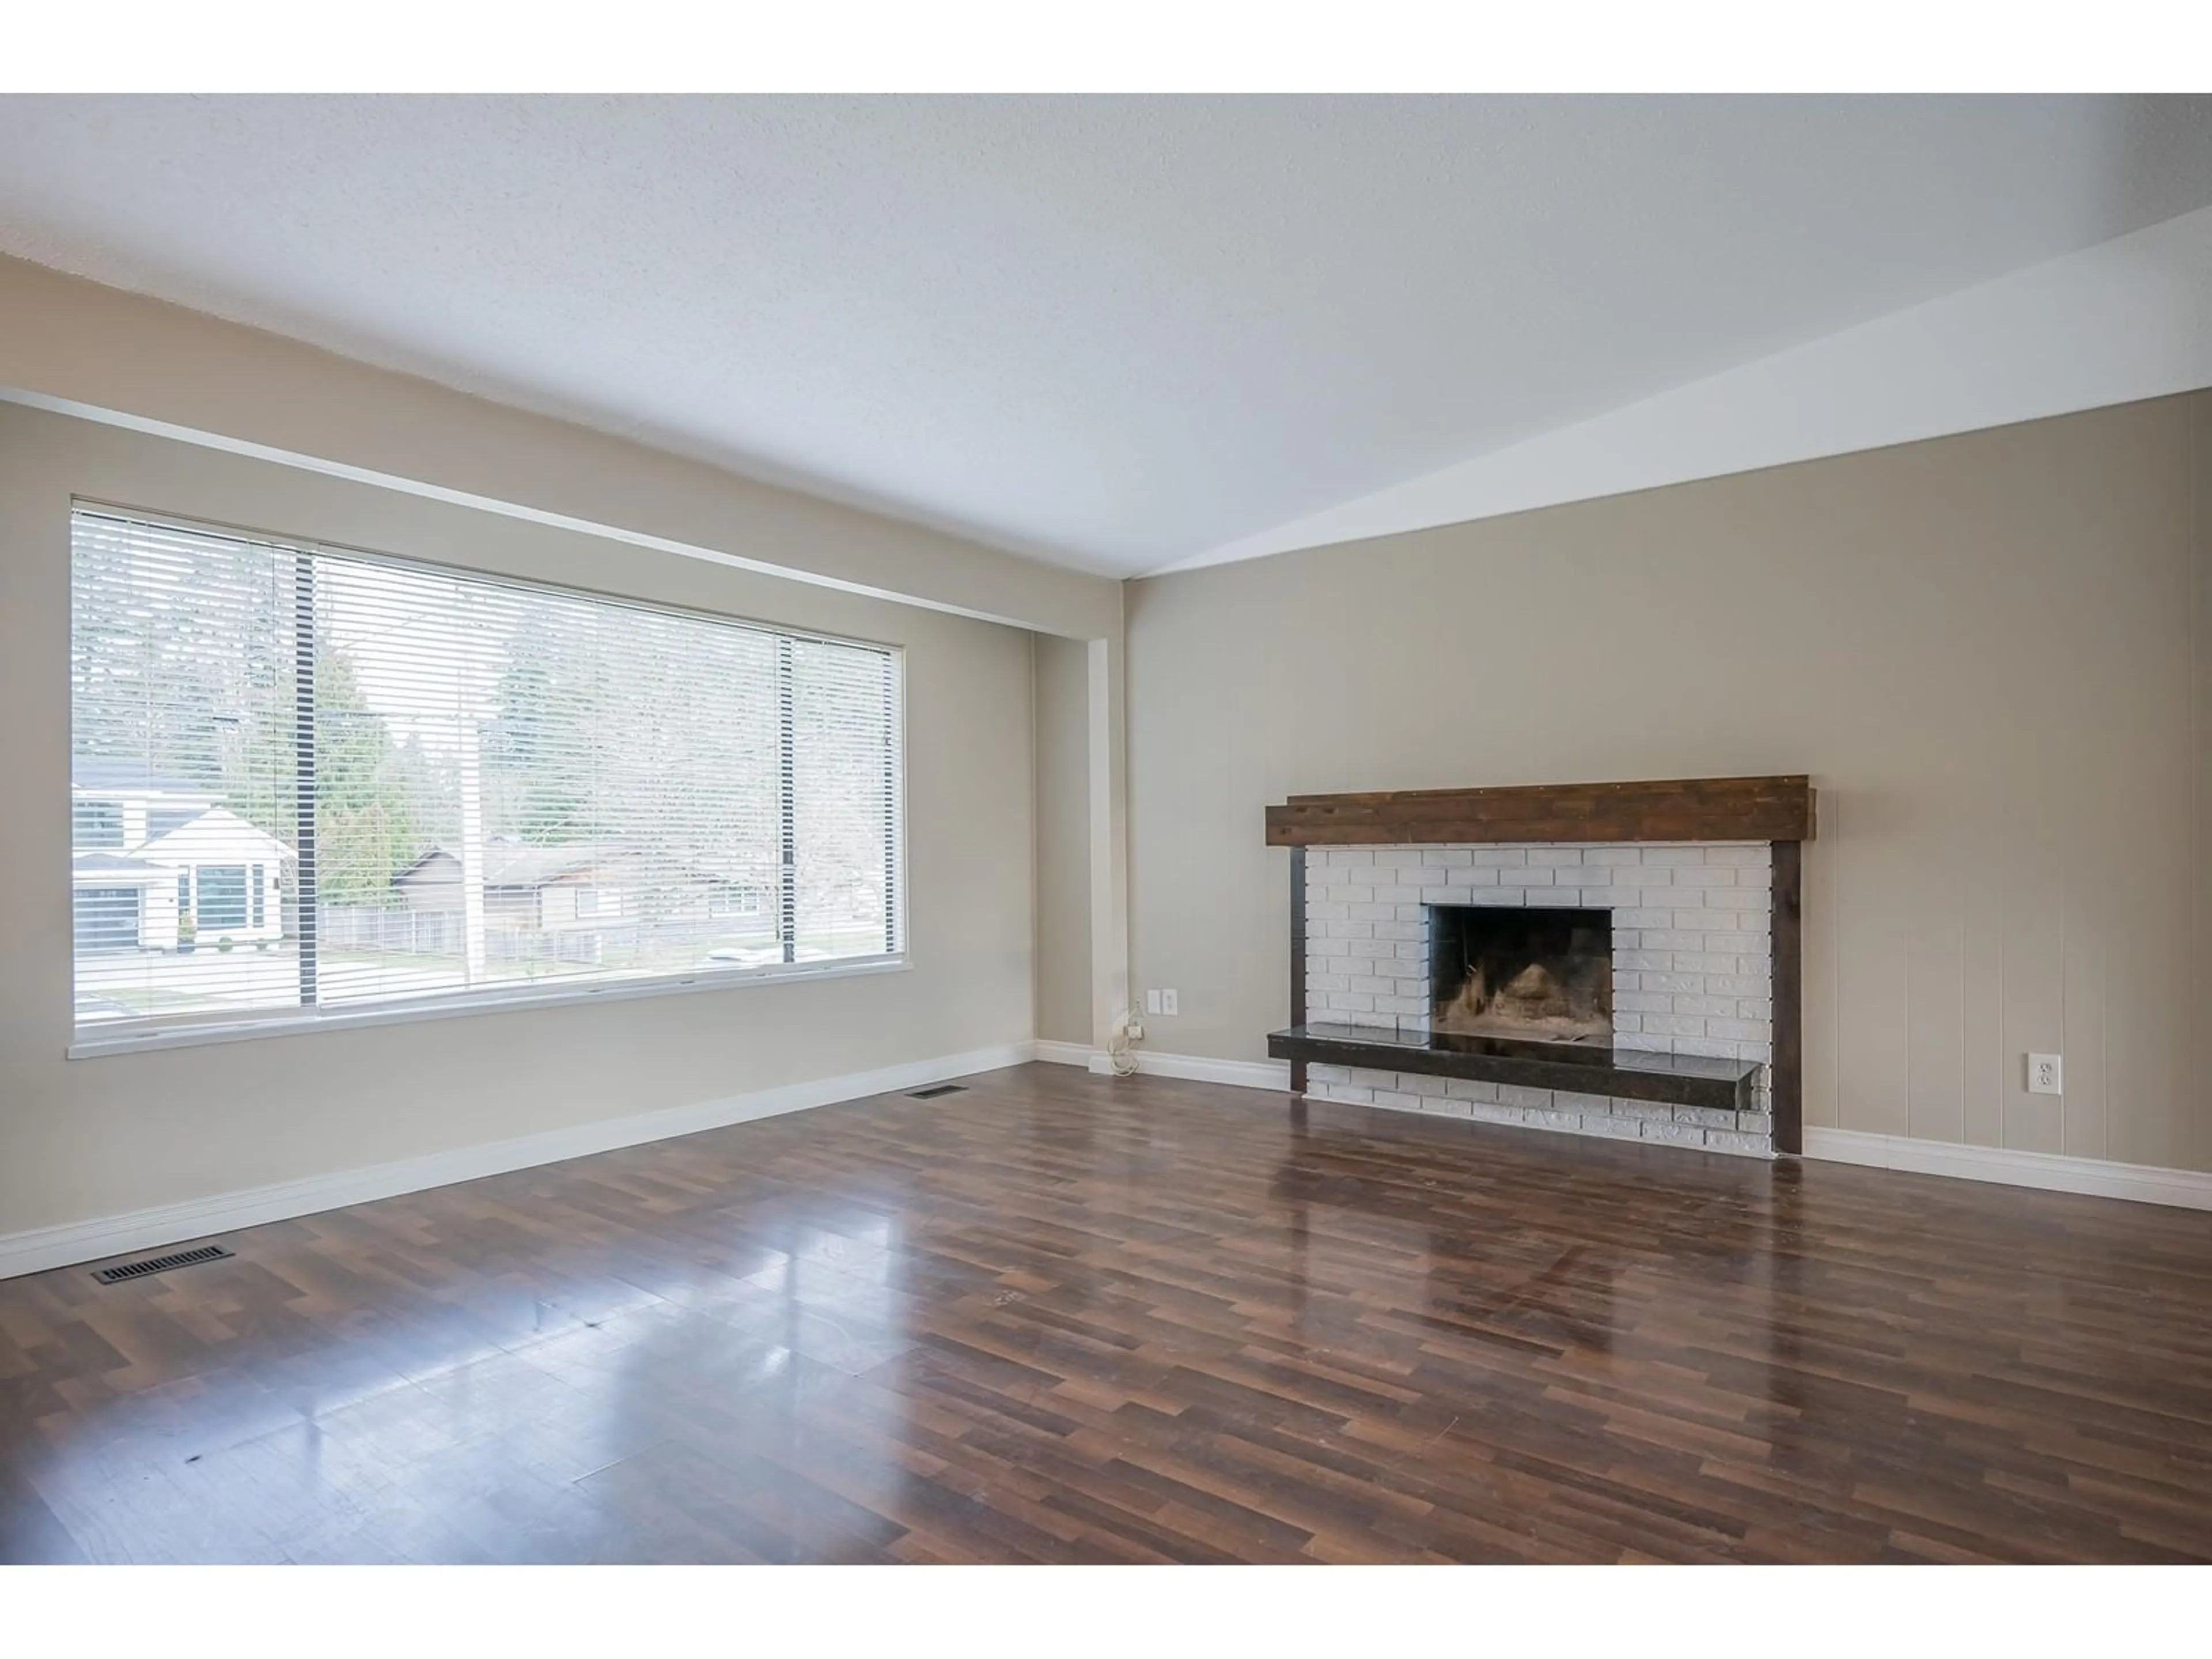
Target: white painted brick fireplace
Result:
[1692, 969]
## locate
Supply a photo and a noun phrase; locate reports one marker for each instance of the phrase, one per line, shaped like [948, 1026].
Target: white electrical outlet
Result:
[2046, 1075]
[1151, 1002]
[1167, 1002]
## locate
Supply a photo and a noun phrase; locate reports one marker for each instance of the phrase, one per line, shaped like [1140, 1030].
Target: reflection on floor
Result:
[1061, 1317]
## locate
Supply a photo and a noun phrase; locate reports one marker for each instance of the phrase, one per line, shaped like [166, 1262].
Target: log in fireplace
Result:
[1545, 974]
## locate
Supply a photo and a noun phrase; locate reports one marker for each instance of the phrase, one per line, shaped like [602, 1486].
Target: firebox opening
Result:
[1540, 974]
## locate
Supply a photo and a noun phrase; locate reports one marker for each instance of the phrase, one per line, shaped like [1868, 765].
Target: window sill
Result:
[91, 1044]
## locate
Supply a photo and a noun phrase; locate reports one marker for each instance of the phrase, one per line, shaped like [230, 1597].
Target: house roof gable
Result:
[213, 835]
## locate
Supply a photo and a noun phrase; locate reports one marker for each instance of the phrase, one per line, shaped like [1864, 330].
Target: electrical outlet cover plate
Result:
[1167, 1002]
[2046, 1075]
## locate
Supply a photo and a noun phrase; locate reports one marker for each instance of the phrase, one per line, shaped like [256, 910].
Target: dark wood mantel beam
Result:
[1669, 809]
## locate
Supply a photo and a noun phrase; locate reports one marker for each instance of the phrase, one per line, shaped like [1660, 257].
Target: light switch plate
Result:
[1151, 1002]
[2046, 1075]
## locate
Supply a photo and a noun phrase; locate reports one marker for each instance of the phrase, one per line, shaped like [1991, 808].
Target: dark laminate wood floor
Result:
[1063, 1318]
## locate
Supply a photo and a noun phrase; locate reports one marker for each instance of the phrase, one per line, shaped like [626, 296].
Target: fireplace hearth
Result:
[1618, 960]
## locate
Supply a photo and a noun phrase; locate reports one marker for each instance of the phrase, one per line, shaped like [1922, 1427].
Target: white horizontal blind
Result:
[309, 779]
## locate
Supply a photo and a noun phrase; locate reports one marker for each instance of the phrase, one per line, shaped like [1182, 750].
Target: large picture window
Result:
[310, 780]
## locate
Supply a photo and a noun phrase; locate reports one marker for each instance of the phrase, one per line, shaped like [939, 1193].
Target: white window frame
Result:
[90, 1043]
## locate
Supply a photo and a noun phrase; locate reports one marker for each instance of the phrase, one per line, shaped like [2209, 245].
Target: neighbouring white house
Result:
[158, 863]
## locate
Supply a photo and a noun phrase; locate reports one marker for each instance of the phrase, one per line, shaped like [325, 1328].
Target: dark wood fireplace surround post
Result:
[1776, 810]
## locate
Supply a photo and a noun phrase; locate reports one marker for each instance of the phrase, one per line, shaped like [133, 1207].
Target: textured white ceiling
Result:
[1114, 332]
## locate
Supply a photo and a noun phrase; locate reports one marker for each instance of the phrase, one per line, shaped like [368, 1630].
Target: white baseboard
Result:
[1062, 1054]
[1272, 1075]
[43, 1248]
[2188, 1189]
[2096, 1177]
[40, 1249]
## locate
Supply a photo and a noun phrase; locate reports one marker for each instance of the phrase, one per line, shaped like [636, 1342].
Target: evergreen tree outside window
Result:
[463, 787]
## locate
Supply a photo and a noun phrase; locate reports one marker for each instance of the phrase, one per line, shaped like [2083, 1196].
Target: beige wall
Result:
[1989, 651]
[68, 343]
[92, 1138]
[1063, 840]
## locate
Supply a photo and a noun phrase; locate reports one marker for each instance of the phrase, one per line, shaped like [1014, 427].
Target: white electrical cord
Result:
[1118, 1055]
